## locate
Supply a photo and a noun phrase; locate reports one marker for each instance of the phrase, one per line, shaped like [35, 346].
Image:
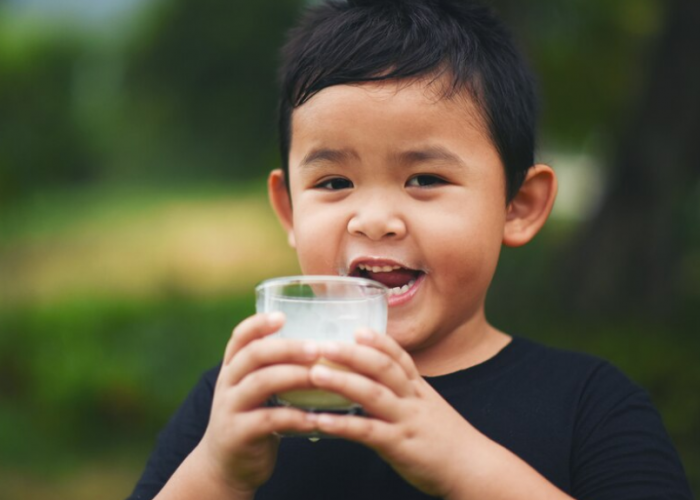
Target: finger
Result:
[269, 351]
[375, 398]
[368, 431]
[391, 348]
[259, 386]
[370, 362]
[252, 328]
[265, 421]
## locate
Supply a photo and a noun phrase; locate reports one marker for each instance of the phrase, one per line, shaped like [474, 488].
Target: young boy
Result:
[407, 152]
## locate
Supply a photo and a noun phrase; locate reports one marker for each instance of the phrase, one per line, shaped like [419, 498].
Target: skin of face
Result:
[392, 173]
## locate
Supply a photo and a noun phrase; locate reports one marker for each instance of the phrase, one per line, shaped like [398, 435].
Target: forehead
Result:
[399, 97]
[381, 117]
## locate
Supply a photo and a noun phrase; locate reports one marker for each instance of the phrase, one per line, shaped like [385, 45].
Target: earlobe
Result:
[281, 203]
[531, 206]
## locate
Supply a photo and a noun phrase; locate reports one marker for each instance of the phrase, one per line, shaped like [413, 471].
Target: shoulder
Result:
[526, 369]
[618, 443]
[588, 372]
[603, 400]
[555, 356]
[588, 389]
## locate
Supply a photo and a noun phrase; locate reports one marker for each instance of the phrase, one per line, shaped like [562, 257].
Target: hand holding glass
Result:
[323, 308]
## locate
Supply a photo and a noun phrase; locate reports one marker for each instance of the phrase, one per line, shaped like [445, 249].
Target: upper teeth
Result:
[378, 269]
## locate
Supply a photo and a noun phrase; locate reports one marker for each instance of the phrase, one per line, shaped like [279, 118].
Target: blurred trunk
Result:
[627, 258]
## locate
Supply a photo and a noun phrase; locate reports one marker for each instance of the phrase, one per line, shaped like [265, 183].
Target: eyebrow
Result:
[326, 155]
[428, 155]
[425, 155]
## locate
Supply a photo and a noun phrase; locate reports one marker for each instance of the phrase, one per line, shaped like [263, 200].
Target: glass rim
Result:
[308, 279]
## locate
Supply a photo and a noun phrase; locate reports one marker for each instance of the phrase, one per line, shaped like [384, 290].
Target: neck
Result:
[468, 345]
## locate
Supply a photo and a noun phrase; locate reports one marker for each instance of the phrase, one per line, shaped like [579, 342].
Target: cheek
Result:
[317, 236]
[465, 251]
[314, 258]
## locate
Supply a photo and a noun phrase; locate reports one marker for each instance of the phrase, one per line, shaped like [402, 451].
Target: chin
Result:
[408, 340]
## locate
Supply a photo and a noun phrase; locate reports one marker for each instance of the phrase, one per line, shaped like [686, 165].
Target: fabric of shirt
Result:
[574, 418]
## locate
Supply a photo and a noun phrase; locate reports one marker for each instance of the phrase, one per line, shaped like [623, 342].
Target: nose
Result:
[377, 219]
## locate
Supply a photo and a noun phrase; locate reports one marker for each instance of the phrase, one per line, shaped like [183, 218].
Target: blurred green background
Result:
[134, 141]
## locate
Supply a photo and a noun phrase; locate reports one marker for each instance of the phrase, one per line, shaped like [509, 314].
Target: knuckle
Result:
[407, 364]
[254, 379]
[369, 431]
[385, 363]
[375, 393]
[255, 354]
[267, 419]
[407, 433]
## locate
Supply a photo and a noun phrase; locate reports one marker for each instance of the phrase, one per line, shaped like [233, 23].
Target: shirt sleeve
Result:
[621, 448]
[178, 438]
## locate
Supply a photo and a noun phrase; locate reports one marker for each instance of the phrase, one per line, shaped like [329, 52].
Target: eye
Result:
[334, 184]
[424, 181]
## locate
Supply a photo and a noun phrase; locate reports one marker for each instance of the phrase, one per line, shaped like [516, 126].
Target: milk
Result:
[325, 313]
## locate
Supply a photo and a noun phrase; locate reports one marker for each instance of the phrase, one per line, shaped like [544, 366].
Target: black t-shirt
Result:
[574, 418]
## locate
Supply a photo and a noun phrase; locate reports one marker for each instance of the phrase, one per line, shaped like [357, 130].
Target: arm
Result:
[197, 477]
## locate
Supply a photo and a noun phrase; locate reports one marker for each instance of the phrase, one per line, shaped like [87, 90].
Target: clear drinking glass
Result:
[323, 308]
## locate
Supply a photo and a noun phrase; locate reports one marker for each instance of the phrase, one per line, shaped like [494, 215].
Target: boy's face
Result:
[389, 177]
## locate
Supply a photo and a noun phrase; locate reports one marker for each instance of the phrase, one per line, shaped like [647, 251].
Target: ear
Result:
[281, 203]
[529, 209]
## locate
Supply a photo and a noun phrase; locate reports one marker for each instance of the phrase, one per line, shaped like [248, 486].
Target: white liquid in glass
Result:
[325, 319]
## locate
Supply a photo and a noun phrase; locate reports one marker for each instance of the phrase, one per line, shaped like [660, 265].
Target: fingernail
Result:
[364, 334]
[275, 318]
[321, 373]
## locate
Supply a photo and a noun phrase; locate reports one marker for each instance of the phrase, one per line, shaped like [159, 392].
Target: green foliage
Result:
[89, 374]
[202, 79]
[40, 138]
[192, 96]
[591, 59]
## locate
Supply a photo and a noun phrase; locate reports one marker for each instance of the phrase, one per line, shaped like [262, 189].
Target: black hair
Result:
[356, 41]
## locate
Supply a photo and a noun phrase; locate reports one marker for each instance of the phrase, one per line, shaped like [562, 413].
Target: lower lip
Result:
[398, 300]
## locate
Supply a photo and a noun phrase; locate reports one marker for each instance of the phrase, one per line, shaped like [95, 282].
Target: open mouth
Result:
[398, 279]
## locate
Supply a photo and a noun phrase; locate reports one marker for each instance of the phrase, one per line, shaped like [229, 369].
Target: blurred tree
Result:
[590, 58]
[619, 82]
[40, 137]
[202, 79]
[630, 255]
